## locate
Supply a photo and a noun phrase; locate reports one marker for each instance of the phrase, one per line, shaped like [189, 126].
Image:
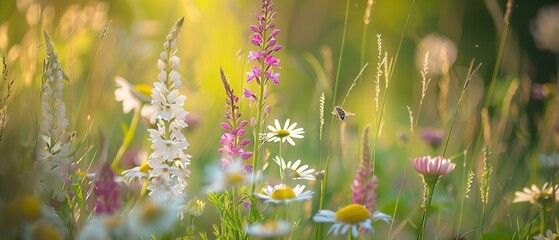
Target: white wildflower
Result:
[54, 148]
[168, 163]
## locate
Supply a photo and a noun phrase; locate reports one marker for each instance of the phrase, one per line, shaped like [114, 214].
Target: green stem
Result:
[259, 108]
[281, 160]
[390, 74]
[483, 212]
[542, 218]
[489, 95]
[127, 138]
[334, 99]
[420, 235]
[553, 203]
[464, 182]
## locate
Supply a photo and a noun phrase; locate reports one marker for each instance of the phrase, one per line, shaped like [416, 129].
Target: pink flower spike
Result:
[254, 28]
[243, 123]
[272, 42]
[274, 76]
[267, 109]
[254, 56]
[254, 73]
[256, 39]
[253, 121]
[245, 142]
[240, 133]
[272, 25]
[275, 32]
[433, 166]
[225, 126]
[248, 93]
[276, 48]
[271, 60]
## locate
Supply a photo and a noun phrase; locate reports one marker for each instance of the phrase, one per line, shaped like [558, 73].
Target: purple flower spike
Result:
[254, 56]
[264, 36]
[274, 76]
[232, 141]
[256, 39]
[254, 73]
[106, 192]
[272, 61]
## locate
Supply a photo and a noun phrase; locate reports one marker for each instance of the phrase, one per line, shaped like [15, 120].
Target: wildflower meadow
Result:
[275, 119]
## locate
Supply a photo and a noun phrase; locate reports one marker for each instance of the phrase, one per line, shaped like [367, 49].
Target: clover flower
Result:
[284, 194]
[353, 216]
[264, 37]
[287, 133]
[54, 146]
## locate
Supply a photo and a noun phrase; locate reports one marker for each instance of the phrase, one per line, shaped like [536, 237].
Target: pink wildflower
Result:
[433, 166]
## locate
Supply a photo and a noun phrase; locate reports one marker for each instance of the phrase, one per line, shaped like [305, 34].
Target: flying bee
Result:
[340, 113]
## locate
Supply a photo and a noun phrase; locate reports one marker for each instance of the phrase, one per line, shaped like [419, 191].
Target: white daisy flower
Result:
[233, 175]
[103, 227]
[352, 216]
[295, 170]
[269, 229]
[282, 193]
[287, 133]
[133, 97]
[152, 217]
[138, 172]
[537, 196]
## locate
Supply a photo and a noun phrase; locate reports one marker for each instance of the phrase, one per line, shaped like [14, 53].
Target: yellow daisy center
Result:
[282, 133]
[144, 167]
[270, 226]
[46, 232]
[283, 194]
[292, 173]
[150, 211]
[30, 209]
[81, 173]
[543, 197]
[144, 89]
[112, 222]
[235, 178]
[353, 213]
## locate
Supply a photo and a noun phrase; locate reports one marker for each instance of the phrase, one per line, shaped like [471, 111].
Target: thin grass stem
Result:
[127, 139]
[334, 99]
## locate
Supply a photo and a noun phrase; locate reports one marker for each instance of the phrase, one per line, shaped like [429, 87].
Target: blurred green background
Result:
[216, 34]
